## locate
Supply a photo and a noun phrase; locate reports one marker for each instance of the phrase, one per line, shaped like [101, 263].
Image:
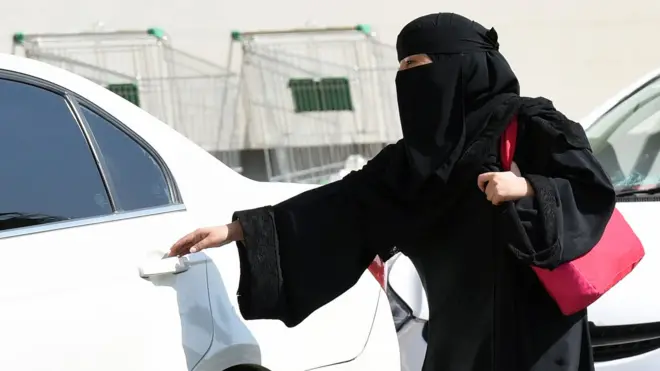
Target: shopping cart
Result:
[194, 96]
[313, 97]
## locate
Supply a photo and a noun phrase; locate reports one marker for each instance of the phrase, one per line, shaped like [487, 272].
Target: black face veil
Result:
[444, 105]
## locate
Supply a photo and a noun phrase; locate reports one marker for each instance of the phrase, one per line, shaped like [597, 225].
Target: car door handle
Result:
[159, 267]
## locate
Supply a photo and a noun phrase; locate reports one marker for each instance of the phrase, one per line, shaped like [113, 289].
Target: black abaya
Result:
[487, 309]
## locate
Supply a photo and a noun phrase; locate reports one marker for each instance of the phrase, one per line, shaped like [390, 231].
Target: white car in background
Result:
[93, 192]
[625, 136]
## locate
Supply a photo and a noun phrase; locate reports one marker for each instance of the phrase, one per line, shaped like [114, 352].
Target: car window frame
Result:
[621, 101]
[74, 102]
[172, 187]
[654, 79]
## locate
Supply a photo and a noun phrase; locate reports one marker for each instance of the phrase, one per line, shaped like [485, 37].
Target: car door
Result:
[87, 211]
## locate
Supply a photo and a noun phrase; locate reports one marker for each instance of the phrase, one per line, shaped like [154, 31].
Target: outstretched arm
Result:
[298, 255]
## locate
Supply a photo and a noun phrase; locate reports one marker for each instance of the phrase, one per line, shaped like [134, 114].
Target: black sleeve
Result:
[304, 252]
[567, 216]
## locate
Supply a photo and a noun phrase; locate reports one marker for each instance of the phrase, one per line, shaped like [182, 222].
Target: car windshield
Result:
[626, 140]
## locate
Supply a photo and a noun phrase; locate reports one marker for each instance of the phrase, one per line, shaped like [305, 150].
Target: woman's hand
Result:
[204, 238]
[504, 186]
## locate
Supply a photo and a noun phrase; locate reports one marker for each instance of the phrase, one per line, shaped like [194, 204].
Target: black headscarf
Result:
[444, 105]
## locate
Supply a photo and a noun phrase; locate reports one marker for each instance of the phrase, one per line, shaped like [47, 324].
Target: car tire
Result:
[247, 368]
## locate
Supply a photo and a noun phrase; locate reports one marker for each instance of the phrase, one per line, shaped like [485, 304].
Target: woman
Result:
[440, 196]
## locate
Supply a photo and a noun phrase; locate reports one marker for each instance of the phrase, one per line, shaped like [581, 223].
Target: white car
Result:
[625, 136]
[410, 310]
[93, 192]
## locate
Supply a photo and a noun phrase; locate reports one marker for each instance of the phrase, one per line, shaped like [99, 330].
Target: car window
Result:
[136, 179]
[47, 170]
[626, 140]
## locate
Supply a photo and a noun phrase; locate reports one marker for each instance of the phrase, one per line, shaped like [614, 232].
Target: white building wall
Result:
[576, 53]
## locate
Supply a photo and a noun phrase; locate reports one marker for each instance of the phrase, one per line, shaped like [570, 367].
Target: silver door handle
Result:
[161, 267]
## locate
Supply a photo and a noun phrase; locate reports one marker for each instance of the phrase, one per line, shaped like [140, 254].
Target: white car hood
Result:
[634, 299]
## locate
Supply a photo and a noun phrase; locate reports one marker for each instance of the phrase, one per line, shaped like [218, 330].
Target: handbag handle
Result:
[508, 144]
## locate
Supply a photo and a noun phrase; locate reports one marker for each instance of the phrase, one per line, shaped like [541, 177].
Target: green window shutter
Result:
[127, 91]
[335, 94]
[328, 94]
[305, 95]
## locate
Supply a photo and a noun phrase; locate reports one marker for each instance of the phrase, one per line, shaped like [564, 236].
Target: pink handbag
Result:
[577, 284]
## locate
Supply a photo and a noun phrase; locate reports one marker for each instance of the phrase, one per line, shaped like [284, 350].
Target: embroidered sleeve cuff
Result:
[547, 202]
[260, 294]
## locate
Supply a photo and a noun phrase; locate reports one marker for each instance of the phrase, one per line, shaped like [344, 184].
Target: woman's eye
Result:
[409, 63]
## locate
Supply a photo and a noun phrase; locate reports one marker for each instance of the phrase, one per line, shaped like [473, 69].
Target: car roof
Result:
[170, 144]
[114, 104]
[45, 71]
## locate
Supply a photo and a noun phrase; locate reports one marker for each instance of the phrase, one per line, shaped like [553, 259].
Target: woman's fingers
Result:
[187, 242]
[489, 187]
[484, 178]
[201, 245]
[490, 191]
[201, 239]
[197, 247]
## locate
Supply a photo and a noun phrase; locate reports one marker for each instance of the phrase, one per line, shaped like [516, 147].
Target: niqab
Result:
[445, 105]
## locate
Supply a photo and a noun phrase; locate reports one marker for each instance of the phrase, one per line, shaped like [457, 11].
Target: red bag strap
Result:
[508, 144]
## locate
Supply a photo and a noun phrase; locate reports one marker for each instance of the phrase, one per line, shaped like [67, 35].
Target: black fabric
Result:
[444, 33]
[444, 105]
[262, 260]
[488, 311]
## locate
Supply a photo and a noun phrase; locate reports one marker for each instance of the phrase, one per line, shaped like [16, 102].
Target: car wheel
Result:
[247, 368]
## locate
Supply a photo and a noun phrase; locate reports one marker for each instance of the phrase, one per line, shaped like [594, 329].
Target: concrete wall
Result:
[576, 53]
